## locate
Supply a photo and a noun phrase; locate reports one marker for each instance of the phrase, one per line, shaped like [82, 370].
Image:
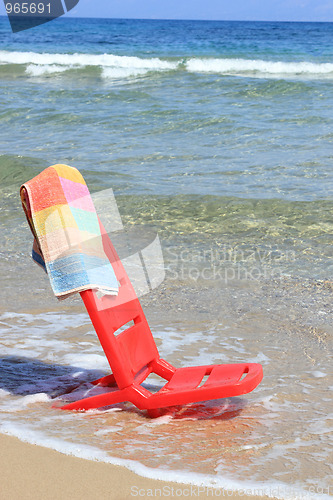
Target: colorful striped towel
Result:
[67, 236]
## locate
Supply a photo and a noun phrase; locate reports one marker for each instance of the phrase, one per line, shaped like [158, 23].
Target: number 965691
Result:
[28, 8]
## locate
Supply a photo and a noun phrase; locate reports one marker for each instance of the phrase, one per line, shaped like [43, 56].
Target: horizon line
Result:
[69, 16]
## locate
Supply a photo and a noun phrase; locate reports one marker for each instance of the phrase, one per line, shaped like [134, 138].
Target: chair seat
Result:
[184, 387]
[223, 381]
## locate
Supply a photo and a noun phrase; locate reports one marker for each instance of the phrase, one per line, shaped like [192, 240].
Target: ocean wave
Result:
[111, 66]
[114, 73]
[45, 69]
[259, 67]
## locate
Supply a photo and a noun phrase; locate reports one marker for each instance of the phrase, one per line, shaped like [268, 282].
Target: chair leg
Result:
[98, 401]
[107, 381]
[154, 412]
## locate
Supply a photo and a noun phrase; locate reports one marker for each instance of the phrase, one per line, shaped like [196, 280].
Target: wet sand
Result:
[37, 473]
[293, 314]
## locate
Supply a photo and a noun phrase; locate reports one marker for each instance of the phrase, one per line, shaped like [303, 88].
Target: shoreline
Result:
[38, 473]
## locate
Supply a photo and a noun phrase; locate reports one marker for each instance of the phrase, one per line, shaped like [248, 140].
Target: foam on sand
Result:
[276, 489]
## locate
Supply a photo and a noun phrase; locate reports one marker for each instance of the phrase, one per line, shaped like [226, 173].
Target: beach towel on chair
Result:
[67, 237]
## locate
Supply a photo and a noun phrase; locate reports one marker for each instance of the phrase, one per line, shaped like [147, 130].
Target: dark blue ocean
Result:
[218, 137]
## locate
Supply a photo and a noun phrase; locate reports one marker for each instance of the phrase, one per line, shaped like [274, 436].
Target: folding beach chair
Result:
[133, 355]
[60, 213]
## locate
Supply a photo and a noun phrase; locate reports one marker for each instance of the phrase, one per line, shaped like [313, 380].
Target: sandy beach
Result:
[33, 472]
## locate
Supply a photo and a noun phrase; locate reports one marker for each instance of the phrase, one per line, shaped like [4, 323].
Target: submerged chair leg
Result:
[107, 381]
[98, 401]
[154, 412]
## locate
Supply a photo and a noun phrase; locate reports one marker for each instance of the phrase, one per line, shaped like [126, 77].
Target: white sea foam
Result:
[274, 489]
[108, 430]
[111, 66]
[18, 405]
[88, 360]
[259, 67]
[318, 374]
[40, 397]
[118, 73]
[45, 69]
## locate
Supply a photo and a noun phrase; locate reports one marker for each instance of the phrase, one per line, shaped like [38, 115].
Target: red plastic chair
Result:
[133, 355]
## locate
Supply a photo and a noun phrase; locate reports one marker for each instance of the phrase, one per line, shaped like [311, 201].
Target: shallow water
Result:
[254, 439]
[217, 138]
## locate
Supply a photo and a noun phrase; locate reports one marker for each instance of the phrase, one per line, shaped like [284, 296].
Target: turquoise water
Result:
[218, 137]
[178, 113]
[225, 109]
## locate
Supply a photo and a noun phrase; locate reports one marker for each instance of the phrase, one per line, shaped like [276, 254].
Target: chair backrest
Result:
[134, 347]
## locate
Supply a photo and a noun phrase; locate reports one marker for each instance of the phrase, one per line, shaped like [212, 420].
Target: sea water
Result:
[217, 137]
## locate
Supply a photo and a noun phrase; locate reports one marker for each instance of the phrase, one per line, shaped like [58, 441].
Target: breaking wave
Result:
[259, 67]
[111, 66]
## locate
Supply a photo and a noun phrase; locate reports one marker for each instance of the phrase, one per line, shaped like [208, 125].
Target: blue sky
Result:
[259, 10]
